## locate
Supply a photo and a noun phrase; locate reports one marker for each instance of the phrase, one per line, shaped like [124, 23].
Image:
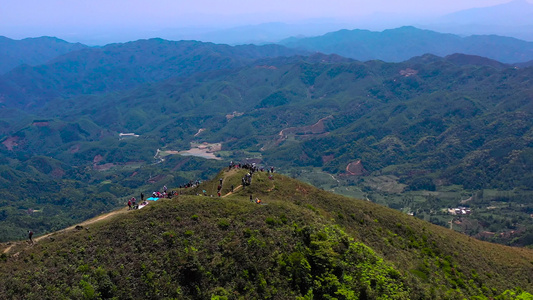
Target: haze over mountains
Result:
[514, 19]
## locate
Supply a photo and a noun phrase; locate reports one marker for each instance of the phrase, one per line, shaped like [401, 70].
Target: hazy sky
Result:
[26, 18]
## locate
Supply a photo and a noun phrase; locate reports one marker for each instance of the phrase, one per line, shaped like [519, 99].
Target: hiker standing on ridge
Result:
[129, 204]
[30, 235]
[142, 197]
[165, 188]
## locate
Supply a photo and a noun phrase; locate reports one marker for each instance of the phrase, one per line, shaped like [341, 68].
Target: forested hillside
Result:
[119, 67]
[449, 122]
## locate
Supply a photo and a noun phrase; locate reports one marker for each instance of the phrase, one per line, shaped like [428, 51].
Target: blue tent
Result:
[152, 199]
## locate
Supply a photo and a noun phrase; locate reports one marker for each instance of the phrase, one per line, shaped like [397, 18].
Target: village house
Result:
[461, 210]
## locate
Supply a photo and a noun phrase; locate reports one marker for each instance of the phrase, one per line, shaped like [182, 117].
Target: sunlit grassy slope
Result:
[302, 242]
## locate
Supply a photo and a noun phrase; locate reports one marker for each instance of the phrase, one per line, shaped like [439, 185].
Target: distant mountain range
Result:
[42, 55]
[118, 67]
[403, 43]
[65, 69]
[514, 18]
[32, 51]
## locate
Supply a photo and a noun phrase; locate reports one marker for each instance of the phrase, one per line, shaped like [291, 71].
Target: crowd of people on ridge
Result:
[246, 181]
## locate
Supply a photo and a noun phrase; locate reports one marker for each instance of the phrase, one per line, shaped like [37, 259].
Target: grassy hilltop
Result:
[302, 243]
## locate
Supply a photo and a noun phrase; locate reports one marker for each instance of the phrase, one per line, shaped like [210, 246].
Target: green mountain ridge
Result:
[400, 44]
[119, 67]
[302, 243]
[32, 51]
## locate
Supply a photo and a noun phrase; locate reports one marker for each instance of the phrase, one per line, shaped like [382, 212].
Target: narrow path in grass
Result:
[234, 191]
[102, 217]
[84, 223]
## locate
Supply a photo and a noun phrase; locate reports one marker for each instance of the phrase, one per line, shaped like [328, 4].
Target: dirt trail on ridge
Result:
[234, 191]
[84, 223]
[99, 218]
